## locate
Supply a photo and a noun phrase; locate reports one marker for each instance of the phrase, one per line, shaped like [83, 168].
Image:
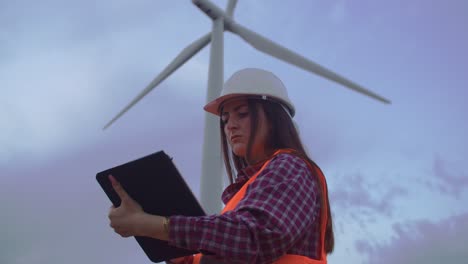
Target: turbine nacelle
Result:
[214, 12]
[210, 9]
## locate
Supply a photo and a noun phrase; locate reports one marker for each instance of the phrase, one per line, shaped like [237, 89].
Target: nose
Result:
[231, 124]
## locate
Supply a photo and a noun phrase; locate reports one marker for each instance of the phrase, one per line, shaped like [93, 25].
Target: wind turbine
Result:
[211, 182]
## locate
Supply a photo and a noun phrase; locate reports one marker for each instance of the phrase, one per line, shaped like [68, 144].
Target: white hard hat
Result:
[252, 82]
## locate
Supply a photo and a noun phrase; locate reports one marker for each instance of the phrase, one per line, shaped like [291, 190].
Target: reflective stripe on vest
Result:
[288, 258]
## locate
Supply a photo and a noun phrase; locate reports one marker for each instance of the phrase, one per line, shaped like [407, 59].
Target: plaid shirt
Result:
[278, 215]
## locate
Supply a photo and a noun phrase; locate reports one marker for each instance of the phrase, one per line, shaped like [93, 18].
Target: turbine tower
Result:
[211, 182]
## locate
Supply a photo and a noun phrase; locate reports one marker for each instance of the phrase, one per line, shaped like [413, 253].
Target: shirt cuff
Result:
[187, 231]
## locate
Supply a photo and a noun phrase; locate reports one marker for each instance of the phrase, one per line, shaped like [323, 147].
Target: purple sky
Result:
[397, 173]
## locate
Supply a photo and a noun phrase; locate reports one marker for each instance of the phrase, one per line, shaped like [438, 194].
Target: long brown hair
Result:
[282, 134]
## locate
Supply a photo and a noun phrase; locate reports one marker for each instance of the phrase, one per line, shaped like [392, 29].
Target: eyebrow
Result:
[235, 108]
[239, 106]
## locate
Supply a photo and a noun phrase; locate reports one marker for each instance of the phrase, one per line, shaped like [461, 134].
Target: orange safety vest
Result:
[288, 258]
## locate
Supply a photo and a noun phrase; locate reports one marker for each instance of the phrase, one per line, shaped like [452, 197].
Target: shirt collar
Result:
[249, 171]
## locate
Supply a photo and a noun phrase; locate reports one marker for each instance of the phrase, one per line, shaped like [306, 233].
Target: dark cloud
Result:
[448, 179]
[53, 209]
[422, 242]
[356, 193]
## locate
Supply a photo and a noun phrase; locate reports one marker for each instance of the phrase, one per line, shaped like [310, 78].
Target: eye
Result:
[243, 114]
[224, 119]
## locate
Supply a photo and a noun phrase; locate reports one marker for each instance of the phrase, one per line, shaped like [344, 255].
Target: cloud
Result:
[52, 100]
[67, 76]
[356, 192]
[53, 211]
[448, 179]
[422, 242]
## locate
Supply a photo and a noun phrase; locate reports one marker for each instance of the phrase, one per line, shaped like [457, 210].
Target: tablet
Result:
[154, 182]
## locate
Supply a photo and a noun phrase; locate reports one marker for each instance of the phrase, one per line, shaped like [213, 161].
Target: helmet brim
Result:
[214, 106]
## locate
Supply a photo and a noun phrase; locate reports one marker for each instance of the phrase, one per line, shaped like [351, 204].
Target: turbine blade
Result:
[269, 47]
[185, 55]
[230, 8]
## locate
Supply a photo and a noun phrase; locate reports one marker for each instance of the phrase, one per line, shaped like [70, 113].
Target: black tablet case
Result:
[154, 182]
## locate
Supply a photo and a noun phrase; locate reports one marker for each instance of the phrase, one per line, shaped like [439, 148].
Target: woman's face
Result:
[236, 118]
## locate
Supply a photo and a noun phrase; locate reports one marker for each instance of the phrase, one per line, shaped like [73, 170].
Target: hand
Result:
[181, 260]
[125, 218]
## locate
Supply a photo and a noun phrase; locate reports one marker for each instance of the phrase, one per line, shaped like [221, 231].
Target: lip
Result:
[234, 137]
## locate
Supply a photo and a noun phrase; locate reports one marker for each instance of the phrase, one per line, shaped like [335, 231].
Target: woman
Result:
[277, 208]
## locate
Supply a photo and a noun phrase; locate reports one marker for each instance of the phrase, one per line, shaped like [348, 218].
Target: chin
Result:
[239, 151]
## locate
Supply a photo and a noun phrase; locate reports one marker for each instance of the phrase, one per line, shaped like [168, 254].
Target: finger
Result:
[111, 209]
[125, 234]
[111, 214]
[118, 188]
[122, 232]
